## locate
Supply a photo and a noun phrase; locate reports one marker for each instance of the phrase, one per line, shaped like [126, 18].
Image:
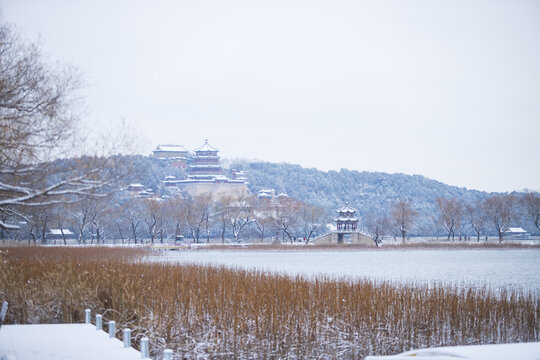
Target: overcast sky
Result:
[446, 89]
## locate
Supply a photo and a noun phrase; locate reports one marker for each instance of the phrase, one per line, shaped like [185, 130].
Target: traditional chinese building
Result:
[347, 220]
[204, 164]
[177, 155]
[346, 231]
[205, 175]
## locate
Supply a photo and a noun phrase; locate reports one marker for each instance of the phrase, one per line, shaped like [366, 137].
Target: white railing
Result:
[145, 346]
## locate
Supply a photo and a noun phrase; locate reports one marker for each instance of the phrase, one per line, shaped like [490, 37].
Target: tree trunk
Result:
[63, 235]
[43, 234]
[376, 239]
[134, 230]
[223, 234]
[98, 234]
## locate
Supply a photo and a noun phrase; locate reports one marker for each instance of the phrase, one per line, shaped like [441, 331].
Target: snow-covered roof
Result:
[346, 208]
[516, 230]
[201, 176]
[206, 156]
[59, 232]
[171, 148]
[345, 218]
[170, 177]
[204, 166]
[206, 147]
[137, 185]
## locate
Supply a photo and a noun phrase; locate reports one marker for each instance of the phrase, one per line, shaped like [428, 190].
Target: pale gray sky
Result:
[445, 89]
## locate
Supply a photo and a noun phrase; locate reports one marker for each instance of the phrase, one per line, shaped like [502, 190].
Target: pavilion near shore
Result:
[346, 231]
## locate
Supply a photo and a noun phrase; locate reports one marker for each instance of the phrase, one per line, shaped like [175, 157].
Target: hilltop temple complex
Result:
[205, 175]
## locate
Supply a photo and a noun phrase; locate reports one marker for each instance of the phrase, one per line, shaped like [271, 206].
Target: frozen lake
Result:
[469, 268]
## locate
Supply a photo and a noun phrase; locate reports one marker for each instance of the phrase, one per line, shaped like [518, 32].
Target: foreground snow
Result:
[61, 342]
[523, 351]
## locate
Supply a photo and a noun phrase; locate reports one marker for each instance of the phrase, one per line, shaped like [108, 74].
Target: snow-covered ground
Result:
[523, 351]
[492, 267]
[61, 342]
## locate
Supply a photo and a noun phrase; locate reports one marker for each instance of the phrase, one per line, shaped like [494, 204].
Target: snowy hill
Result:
[369, 192]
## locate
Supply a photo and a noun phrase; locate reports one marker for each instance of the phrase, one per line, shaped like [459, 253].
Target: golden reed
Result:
[215, 312]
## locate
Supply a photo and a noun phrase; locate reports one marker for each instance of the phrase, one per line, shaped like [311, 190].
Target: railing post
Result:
[144, 348]
[112, 329]
[3, 312]
[127, 338]
[167, 354]
[87, 316]
[99, 325]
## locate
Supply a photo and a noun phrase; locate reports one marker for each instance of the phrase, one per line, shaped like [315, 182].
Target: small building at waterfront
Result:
[516, 233]
[346, 229]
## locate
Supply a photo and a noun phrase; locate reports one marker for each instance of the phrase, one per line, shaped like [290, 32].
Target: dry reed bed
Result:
[207, 312]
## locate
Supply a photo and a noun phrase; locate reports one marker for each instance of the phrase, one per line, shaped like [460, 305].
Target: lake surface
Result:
[469, 268]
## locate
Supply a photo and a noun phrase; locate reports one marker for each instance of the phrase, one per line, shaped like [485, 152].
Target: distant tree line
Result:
[454, 218]
[124, 218]
[128, 219]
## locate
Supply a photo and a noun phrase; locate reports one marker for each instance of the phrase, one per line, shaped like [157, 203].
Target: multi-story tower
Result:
[347, 222]
[204, 164]
[205, 176]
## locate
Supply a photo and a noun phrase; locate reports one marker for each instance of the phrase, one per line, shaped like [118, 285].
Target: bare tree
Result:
[153, 213]
[132, 210]
[221, 213]
[531, 204]
[37, 219]
[263, 218]
[37, 122]
[119, 223]
[286, 217]
[500, 210]
[476, 217]
[80, 214]
[60, 218]
[196, 215]
[450, 214]
[176, 208]
[378, 227]
[403, 216]
[98, 215]
[240, 213]
[311, 218]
